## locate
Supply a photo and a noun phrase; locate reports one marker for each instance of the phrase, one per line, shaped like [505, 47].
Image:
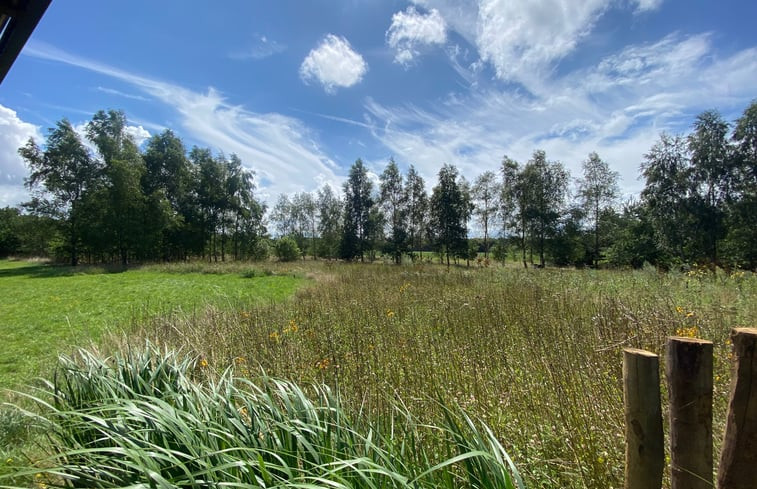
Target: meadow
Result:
[533, 354]
[46, 309]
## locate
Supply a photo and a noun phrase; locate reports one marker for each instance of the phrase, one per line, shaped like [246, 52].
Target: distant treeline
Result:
[699, 205]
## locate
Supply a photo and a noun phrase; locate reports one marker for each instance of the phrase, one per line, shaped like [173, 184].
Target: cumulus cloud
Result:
[139, 133]
[14, 133]
[410, 30]
[333, 64]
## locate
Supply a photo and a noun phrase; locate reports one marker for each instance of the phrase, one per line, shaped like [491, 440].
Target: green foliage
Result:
[152, 417]
[287, 249]
[10, 242]
[260, 250]
[500, 250]
[394, 202]
[451, 208]
[359, 224]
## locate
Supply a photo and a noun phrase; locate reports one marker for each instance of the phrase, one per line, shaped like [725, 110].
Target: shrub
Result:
[260, 250]
[287, 249]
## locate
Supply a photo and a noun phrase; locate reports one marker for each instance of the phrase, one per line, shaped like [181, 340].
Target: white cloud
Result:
[333, 64]
[139, 133]
[616, 108]
[281, 150]
[647, 5]
[522, 38]
[14, 133]
[112, 91]
[410, 30]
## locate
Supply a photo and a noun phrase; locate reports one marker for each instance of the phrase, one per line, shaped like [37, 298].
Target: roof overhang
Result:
[18, 18]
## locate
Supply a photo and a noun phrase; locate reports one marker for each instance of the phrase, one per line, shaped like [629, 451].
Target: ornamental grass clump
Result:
[151, 418]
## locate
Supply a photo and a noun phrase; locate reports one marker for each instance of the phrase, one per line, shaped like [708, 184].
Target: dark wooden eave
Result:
[18, 18]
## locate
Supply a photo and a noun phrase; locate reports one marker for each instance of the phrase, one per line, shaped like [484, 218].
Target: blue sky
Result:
[300, 89]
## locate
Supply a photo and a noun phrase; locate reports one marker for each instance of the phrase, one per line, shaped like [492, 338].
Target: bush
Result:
[260, 250]
[287, 249]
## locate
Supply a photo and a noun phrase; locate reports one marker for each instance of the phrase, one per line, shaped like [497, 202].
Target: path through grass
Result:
[45, 309]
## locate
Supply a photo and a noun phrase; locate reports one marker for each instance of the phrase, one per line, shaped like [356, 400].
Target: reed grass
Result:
[152, 418]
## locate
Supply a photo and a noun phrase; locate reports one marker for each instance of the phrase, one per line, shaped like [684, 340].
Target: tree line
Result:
[698, 205]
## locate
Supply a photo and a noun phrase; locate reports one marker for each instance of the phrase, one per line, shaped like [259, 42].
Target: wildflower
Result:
[389, 313]
[292, 327]
[245, 315]
[322, 364]
[274, 336]
[679, 309]
[240, 361]
[203, 363]
[691, 332]
[689, 314]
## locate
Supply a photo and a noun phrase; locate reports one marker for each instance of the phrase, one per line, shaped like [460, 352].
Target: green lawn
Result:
[46, 309]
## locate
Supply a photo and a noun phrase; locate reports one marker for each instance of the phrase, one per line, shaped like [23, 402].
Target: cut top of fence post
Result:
[638, 351]
[686, 339]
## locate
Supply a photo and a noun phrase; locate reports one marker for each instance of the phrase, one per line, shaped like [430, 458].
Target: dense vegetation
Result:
[150, 419]
[699, 205]
[534, 354]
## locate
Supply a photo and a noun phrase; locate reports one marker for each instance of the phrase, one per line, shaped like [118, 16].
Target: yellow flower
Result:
[274, 336]
[240, 360]
[691, 332]
[389, 313]
[689, 314]
[203, 363]
[679, 309]
[322, 364]
[292, 327]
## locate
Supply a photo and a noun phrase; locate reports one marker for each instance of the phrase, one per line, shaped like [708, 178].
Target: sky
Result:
[299, 89]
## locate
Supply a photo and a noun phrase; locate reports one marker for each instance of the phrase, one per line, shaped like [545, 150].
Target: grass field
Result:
[46, 309]
[535, 354]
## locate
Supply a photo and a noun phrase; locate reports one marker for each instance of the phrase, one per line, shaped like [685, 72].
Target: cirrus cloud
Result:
[333, 64]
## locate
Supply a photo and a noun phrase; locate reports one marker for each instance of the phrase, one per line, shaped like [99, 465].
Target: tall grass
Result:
[151, 418]
[536, 354]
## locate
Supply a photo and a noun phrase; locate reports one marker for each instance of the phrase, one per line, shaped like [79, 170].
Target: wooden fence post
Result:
[645, 453]
[689, 373]
[738, 459]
